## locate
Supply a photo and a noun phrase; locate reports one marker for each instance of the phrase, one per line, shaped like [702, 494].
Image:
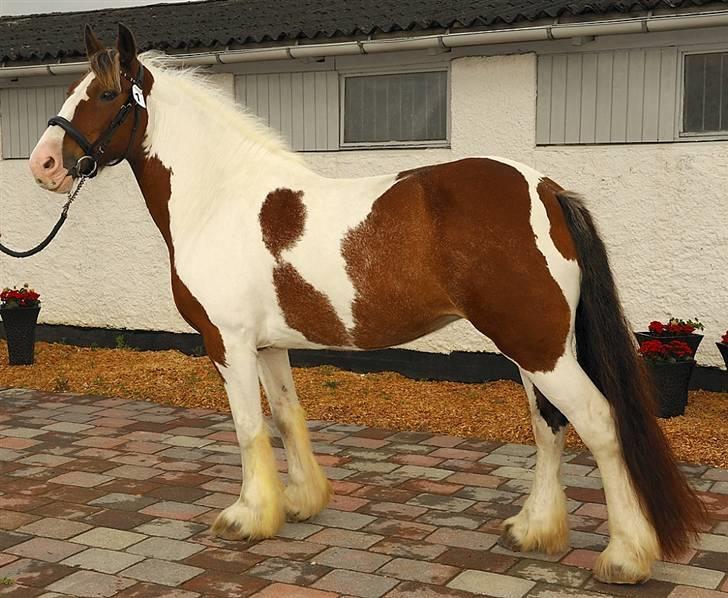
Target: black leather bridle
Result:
[88, 164]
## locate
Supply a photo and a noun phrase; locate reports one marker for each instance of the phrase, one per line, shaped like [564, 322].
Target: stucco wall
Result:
[662, 210]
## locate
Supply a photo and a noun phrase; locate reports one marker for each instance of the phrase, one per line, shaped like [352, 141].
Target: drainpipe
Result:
[644, 24]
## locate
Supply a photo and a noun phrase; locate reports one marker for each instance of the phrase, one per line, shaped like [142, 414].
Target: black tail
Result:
[606, 350]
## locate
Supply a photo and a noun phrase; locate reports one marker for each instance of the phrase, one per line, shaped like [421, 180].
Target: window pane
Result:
[706, 93]
[399, 107]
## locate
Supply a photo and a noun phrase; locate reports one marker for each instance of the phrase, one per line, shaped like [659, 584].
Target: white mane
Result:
[198, 86]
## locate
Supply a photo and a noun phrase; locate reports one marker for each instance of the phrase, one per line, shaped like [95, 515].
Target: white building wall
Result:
[662, 210]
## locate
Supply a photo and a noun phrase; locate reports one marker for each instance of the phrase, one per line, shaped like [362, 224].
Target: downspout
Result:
[647, 23]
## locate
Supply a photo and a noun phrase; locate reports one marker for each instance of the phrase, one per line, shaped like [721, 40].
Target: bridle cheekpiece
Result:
[87, 165]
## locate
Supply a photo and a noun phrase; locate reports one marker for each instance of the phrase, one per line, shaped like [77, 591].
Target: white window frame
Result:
[680, 133]
[403, 70]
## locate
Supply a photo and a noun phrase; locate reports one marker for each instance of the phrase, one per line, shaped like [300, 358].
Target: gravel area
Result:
[495, 410]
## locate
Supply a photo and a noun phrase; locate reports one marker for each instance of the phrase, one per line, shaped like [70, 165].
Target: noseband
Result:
[88, 164]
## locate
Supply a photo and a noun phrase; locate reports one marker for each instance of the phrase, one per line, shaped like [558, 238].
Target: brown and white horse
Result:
[267, 255]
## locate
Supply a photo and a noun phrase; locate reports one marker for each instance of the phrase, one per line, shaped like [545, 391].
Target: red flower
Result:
[656, 350]
[656, 327]
[724, 338]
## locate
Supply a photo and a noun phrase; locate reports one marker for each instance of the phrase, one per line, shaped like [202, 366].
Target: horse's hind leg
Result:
[633, 544]
[308, 491]
[542, 524]
[258, 513]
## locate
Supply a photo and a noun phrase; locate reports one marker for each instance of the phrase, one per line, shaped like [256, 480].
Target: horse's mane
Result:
[199, 86]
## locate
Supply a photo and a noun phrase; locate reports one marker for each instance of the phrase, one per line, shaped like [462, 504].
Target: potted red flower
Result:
[723, 347]
[674, 329]
[19, 310]
[670, 363]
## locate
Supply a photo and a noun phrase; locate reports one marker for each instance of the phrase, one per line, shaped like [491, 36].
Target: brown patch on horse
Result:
[552, 416]
[455, 240]
[392, 259]
[154, 181]
[282, 218]
[306, 309]
[560, 234]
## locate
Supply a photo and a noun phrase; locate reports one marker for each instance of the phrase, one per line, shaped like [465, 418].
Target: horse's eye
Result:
[107, 96]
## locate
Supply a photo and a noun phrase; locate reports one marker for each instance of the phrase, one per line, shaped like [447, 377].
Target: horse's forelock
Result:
[105, 66]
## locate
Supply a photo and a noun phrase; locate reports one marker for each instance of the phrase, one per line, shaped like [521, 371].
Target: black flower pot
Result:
[692, 340]
[723, 348]
[671, 385]
[20, 331]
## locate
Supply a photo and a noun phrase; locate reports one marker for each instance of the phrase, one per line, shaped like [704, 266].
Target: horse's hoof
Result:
[240, 522]
[508, 541]
[618, 575]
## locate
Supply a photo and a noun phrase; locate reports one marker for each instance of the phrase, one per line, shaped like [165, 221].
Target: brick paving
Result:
[109, 497]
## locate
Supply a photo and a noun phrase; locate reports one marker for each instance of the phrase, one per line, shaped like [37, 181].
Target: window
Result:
[25, 112]
[705, 93]
[395, 109]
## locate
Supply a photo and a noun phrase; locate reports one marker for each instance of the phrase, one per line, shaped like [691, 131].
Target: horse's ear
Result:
[93, 45]
[126, 46]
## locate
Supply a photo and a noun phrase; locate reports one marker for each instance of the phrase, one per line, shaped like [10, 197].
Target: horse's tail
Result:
[606, 351]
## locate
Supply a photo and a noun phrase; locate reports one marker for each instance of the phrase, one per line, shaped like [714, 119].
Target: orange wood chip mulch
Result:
[495, 410]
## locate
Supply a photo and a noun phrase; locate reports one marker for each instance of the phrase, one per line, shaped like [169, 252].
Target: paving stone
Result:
[441, 503]
[298, 531]
[219, 559]
[165, 548]
[344, 538]
[548, 591]
[170, 528]
[174, 510]
[403, 547]
[153, 590]
[423, 571]
[217, 584]
[10, 520]
[351, 521]
[483, 560]
[354, 560]
[162, 572]
[123, 520]
[403, 529]
[690, 592]
[287, 571]
[289, 549]
[492, 584]
[550, 573]
[365, 585]
[81, 478]
[123, 502]
[713, 542]
[462, 538]
[89, 584]
[102, 560]
[51, 527]
[276, 590]
[687, 575]
[45, 549]
[35, 573]
[464, 520]
[106, 537]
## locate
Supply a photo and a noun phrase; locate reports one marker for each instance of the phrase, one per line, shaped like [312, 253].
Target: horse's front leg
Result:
[308, 491]
[258, 513]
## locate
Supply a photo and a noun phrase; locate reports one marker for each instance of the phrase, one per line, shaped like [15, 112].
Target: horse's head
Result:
[101, 122]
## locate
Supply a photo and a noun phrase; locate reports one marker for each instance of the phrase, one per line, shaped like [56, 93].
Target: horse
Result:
[267, 255]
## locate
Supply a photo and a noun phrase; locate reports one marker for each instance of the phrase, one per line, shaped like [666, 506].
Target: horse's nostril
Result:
[49, 163]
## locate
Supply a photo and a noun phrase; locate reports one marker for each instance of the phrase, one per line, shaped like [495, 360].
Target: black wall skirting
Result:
[459, 366]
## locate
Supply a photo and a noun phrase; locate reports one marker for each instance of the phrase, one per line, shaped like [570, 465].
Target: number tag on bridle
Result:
[138, 96]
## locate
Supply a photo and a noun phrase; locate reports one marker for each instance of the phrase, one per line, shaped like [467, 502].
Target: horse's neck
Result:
[211, 152]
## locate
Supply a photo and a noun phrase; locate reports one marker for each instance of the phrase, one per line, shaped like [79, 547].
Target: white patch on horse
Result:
[68, 111]
[333, 208]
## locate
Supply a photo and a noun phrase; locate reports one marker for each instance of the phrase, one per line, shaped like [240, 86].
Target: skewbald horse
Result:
[266, 256]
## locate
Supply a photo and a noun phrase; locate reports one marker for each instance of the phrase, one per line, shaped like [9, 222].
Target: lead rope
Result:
[44, 243]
